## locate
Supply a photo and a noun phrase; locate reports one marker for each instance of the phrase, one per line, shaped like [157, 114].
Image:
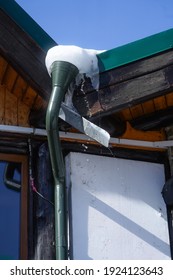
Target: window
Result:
[13, 206]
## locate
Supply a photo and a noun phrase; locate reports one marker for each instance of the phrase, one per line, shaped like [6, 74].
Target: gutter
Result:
[165, 144]
[62, 74]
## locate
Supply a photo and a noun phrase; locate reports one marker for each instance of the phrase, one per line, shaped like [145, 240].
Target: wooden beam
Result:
[155, 120]
[127, 86]
[44, 231]
[130, 71]
[137, 90]
[24, 55]
[137, 69]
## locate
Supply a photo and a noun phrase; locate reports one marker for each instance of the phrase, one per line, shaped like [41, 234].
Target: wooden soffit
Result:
[24, 55]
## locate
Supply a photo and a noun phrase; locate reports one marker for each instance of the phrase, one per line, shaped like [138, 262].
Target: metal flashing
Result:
[134, 51]
[27, 24]
[107, 60]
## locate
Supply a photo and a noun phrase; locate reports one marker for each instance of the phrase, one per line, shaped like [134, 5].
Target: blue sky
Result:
[100, 24]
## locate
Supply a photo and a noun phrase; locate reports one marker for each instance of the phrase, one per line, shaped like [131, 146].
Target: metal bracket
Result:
[84, 125]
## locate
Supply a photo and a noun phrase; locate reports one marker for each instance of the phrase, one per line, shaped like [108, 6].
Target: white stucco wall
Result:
[117, 210]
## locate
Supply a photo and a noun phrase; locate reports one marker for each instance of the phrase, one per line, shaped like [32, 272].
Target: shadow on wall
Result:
[117, 210]
[119, 219]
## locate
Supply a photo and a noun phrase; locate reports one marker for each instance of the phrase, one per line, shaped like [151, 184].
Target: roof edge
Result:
[134, 51]
[27, 24]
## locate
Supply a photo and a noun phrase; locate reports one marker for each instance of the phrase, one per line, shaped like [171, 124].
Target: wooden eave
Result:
[17, 97]
[25, 85]
[128, 85]
[25, 56]
[136, 90]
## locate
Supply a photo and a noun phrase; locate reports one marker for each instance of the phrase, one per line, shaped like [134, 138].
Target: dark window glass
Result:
[9, 216]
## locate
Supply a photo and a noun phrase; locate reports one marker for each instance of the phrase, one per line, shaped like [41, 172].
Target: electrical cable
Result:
[31, 178]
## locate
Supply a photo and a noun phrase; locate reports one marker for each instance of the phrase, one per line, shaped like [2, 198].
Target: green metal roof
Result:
[136, 50]
[21, 18]
[107, 60]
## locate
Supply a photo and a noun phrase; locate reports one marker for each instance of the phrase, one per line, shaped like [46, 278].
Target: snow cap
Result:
[84, 59]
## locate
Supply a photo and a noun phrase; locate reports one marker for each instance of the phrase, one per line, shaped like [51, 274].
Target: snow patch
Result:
[84, 59]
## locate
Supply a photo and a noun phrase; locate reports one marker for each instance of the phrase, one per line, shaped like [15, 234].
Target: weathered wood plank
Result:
[25, 56]
[155, 120]
[160, 103]
[137, 90]
[129, 71]
[20, 87]
[148, 107]
[2, 104]
[10, 77]
[23, 114]
[136, 111]
[3, 65]
[169, 99]
[10, 109]
[29, 97]
[136, 69]
[39, 103]
[44, 231]
[126, 114]
[126, 94]
[132, 133]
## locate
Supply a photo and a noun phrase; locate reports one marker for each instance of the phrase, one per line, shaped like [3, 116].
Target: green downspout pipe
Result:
[62, 73]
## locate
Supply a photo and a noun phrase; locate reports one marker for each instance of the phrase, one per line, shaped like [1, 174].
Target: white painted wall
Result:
[117, 209]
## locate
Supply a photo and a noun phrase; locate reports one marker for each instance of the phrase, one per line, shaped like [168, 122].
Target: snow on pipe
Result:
[63, 64]
[84, 59]
[87, 63]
